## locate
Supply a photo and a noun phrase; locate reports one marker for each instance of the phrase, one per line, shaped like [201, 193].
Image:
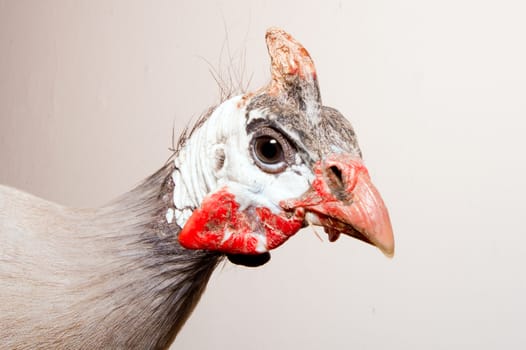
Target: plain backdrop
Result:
[90, 92]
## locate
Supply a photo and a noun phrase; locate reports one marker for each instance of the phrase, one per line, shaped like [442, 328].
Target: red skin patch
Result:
[320, 192]
[345, 201]
[219, 225]
[332, 212]
[342, 197]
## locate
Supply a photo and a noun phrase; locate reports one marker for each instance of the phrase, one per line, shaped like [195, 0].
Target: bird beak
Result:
[343, 199]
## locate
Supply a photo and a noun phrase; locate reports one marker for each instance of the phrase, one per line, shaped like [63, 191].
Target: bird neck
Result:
[154, 283]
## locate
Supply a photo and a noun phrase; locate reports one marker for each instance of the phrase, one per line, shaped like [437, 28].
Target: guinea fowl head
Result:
[249, 175]
[263, 165]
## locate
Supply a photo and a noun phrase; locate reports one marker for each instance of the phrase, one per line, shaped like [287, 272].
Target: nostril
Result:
[336, 183]
[337, 173]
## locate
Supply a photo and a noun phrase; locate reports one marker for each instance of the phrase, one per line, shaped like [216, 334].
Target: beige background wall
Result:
[90, 90]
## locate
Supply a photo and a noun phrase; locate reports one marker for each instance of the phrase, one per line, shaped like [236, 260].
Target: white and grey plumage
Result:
[247, 177]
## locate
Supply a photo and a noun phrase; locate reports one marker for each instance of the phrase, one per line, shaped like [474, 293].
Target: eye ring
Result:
[271, 151]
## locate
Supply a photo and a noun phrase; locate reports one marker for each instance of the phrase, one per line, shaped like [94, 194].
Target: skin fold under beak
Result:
[343, 199]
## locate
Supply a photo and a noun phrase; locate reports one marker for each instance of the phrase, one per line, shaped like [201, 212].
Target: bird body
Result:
[248, 176]
[99, 278]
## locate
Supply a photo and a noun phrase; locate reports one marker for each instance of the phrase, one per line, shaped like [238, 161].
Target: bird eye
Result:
[271, 151]
[268, 150]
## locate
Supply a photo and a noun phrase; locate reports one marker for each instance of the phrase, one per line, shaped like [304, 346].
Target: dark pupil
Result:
[269, 150]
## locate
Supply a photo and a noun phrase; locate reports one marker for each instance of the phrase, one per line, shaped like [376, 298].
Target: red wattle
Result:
[219, 225]
[279, 228]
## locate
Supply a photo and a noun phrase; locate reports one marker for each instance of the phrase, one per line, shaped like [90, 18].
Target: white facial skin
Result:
[199, 171]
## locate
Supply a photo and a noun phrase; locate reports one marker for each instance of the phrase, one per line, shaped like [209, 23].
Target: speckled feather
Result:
[133, 286]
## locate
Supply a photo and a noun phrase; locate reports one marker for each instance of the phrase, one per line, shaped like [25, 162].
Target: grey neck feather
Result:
[153, 284]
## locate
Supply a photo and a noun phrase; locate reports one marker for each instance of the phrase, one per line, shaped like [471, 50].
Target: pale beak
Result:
[343, 199]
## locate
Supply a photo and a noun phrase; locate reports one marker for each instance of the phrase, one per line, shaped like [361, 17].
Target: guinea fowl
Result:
[249, 175]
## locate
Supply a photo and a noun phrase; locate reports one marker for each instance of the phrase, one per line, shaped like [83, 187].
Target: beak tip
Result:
[389, 253]
[387, 245]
